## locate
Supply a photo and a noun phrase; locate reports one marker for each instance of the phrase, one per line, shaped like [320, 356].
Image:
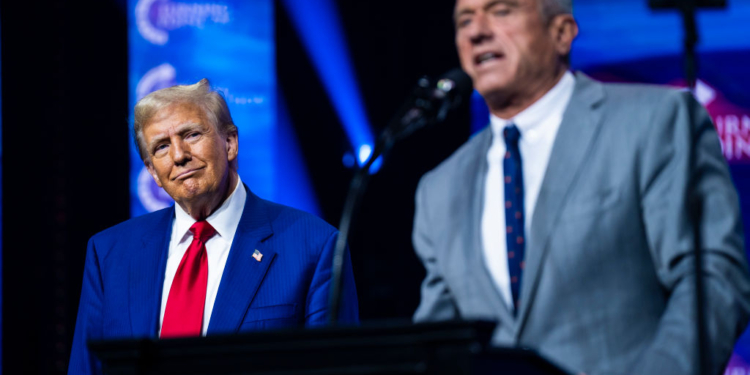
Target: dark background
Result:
[65, 147]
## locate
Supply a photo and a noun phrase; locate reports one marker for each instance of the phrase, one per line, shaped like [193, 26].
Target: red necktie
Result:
[183, 315]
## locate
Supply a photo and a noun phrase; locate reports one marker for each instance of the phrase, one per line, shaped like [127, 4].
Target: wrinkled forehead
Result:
[462, 6]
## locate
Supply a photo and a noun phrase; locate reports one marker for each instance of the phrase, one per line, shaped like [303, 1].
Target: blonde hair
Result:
[211, 102]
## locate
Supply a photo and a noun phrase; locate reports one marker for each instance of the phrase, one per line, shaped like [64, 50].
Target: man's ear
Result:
[152, 172]
[232, 144]
[564, 29]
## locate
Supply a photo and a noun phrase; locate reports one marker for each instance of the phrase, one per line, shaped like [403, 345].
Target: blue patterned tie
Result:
[514, 222]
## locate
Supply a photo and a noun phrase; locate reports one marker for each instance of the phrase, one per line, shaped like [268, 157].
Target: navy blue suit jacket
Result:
[125, 266]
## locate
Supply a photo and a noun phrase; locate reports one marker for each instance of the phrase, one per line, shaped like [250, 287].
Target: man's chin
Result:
[496, 94]
[187, 194]
[491, 86]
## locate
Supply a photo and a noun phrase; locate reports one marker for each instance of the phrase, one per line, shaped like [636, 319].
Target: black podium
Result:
[441, 348]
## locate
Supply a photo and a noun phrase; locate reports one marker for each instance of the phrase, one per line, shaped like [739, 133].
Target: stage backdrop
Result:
[232, 44]
[625, 41]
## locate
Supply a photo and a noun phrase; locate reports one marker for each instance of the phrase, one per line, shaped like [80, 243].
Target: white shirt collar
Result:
[225, 219]
[553, 102]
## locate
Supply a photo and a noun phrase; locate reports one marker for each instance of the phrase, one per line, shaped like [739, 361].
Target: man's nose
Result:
[180, 153]
[479, 30]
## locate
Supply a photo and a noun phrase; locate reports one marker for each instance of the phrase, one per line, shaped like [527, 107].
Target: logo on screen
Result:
[152, 197]
[157, 78]
[155, 18]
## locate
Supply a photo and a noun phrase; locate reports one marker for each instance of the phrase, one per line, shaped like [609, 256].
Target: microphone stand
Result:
[688, 9]
[418, 112]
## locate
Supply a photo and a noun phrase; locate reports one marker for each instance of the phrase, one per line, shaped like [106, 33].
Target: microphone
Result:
[430, 103]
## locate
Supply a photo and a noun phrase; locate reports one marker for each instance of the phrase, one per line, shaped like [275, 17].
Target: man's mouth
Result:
[187, 174]
[487, 57]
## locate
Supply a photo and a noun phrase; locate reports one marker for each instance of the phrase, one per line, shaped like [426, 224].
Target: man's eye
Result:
[192, 135]
[501, 11]
[160, 148]
[463, 22]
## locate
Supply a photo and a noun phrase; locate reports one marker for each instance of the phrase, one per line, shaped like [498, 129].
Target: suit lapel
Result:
[147, 276]
[243, 274]
[579, 127]
[476, 172]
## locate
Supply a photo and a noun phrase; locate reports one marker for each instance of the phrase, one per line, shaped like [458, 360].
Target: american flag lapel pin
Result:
[257, 255]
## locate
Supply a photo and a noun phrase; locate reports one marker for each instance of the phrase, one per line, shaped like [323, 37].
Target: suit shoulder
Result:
[647, 108]
[285, 218]
[644, 96]
[132, 227]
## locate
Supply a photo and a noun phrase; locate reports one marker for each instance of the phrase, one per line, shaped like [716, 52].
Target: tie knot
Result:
[202, 230]
[511, 135]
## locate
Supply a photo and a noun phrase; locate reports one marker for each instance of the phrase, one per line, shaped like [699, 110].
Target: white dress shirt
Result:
[225, 221]
[538, 125]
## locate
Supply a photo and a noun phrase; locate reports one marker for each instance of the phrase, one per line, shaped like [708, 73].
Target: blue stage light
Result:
[348, 160]
[318, 26]
[364, 153]
[375, 167]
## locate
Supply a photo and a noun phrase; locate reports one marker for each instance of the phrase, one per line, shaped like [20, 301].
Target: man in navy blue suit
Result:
[221, 260]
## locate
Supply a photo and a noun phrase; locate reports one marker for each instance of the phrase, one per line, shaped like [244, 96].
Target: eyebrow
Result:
[181, 129]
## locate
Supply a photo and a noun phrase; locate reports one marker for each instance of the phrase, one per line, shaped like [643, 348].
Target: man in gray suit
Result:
[567, 220]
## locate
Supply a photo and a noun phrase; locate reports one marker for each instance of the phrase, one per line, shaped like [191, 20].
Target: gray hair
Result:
[200, 94]
[551, 8]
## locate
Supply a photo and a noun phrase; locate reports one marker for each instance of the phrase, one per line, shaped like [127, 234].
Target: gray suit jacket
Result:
[608, 286]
